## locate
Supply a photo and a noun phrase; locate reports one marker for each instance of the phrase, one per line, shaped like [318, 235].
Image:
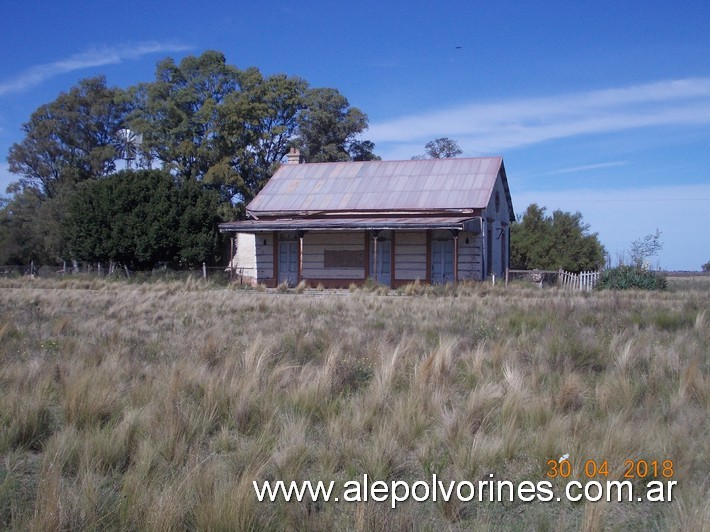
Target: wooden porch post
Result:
[367, 256]
[275, 237]
[456, 256]
[392, 262]
[374, 258]
[428, 256]
[300, 255]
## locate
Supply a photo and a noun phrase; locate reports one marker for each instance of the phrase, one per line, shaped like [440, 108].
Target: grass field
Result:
[156, 406]
[688, 280]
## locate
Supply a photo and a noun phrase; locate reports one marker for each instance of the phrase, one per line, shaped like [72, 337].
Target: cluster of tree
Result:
[201, 121]
[538, 241]
[142, 218]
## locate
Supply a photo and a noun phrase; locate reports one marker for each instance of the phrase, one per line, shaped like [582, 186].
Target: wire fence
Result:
[113, 271]
[247, 276]
[537, 278]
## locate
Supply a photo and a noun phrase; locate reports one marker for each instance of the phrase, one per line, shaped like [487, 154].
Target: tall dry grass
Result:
[156, 405]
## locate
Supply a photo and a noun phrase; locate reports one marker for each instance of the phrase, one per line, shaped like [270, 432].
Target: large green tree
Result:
[20, 239]
[259, 124]
[179, 113]
[538, 241]
[70, 139]
[141, 218]
[328, 126]
[30, 227]
[206, 120]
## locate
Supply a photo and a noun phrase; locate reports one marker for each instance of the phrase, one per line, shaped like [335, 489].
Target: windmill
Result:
[127, 143]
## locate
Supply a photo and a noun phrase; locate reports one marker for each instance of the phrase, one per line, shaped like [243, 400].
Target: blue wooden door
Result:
[288, 262]
[442, 261]
[382, 271]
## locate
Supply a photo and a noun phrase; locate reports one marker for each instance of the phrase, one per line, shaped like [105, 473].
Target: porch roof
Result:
[467, 223]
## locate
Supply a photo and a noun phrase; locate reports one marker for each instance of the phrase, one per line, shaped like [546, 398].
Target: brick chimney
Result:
[293, 156]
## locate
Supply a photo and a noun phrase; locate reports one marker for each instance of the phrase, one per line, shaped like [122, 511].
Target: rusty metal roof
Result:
[348, 223]
[380, 186]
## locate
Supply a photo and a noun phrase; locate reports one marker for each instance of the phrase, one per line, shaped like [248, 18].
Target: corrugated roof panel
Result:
[396, 183]
[337, 171]
[344, 200]
[431, 183]
[380, 185]
[351, 186]
[385, 171]
[471, 166]
[317, 187]
[481, 197]
[300, 202]
[455, 197]
[293, 186]
[306, 203]
[478, 166]
[329, 202]
[445, 166]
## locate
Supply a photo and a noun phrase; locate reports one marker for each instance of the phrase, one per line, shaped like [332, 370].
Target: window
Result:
[337, 258]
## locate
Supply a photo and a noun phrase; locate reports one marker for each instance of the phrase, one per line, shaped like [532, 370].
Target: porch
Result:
[338, 257]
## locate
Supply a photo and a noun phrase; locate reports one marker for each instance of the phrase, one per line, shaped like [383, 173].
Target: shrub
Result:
[624, 277]
[412, 289]
[283, 287]
[301, 287]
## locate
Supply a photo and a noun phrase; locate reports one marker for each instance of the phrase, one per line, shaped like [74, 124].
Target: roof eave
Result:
[258, 215]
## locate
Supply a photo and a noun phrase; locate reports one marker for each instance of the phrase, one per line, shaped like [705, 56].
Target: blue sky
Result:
[601, 107]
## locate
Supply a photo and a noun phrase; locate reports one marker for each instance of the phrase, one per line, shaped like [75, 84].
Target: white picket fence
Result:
[578, 281]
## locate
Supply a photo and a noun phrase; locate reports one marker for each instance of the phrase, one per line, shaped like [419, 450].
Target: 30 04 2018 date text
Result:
[633, 469]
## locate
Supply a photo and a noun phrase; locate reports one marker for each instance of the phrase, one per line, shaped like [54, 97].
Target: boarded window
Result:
[343, 258]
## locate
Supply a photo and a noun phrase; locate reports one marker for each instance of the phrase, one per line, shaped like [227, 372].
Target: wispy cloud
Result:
[587, 167]
[88, 59]
[496, 126]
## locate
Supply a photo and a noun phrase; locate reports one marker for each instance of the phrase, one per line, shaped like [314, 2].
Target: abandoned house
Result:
[334, 224]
